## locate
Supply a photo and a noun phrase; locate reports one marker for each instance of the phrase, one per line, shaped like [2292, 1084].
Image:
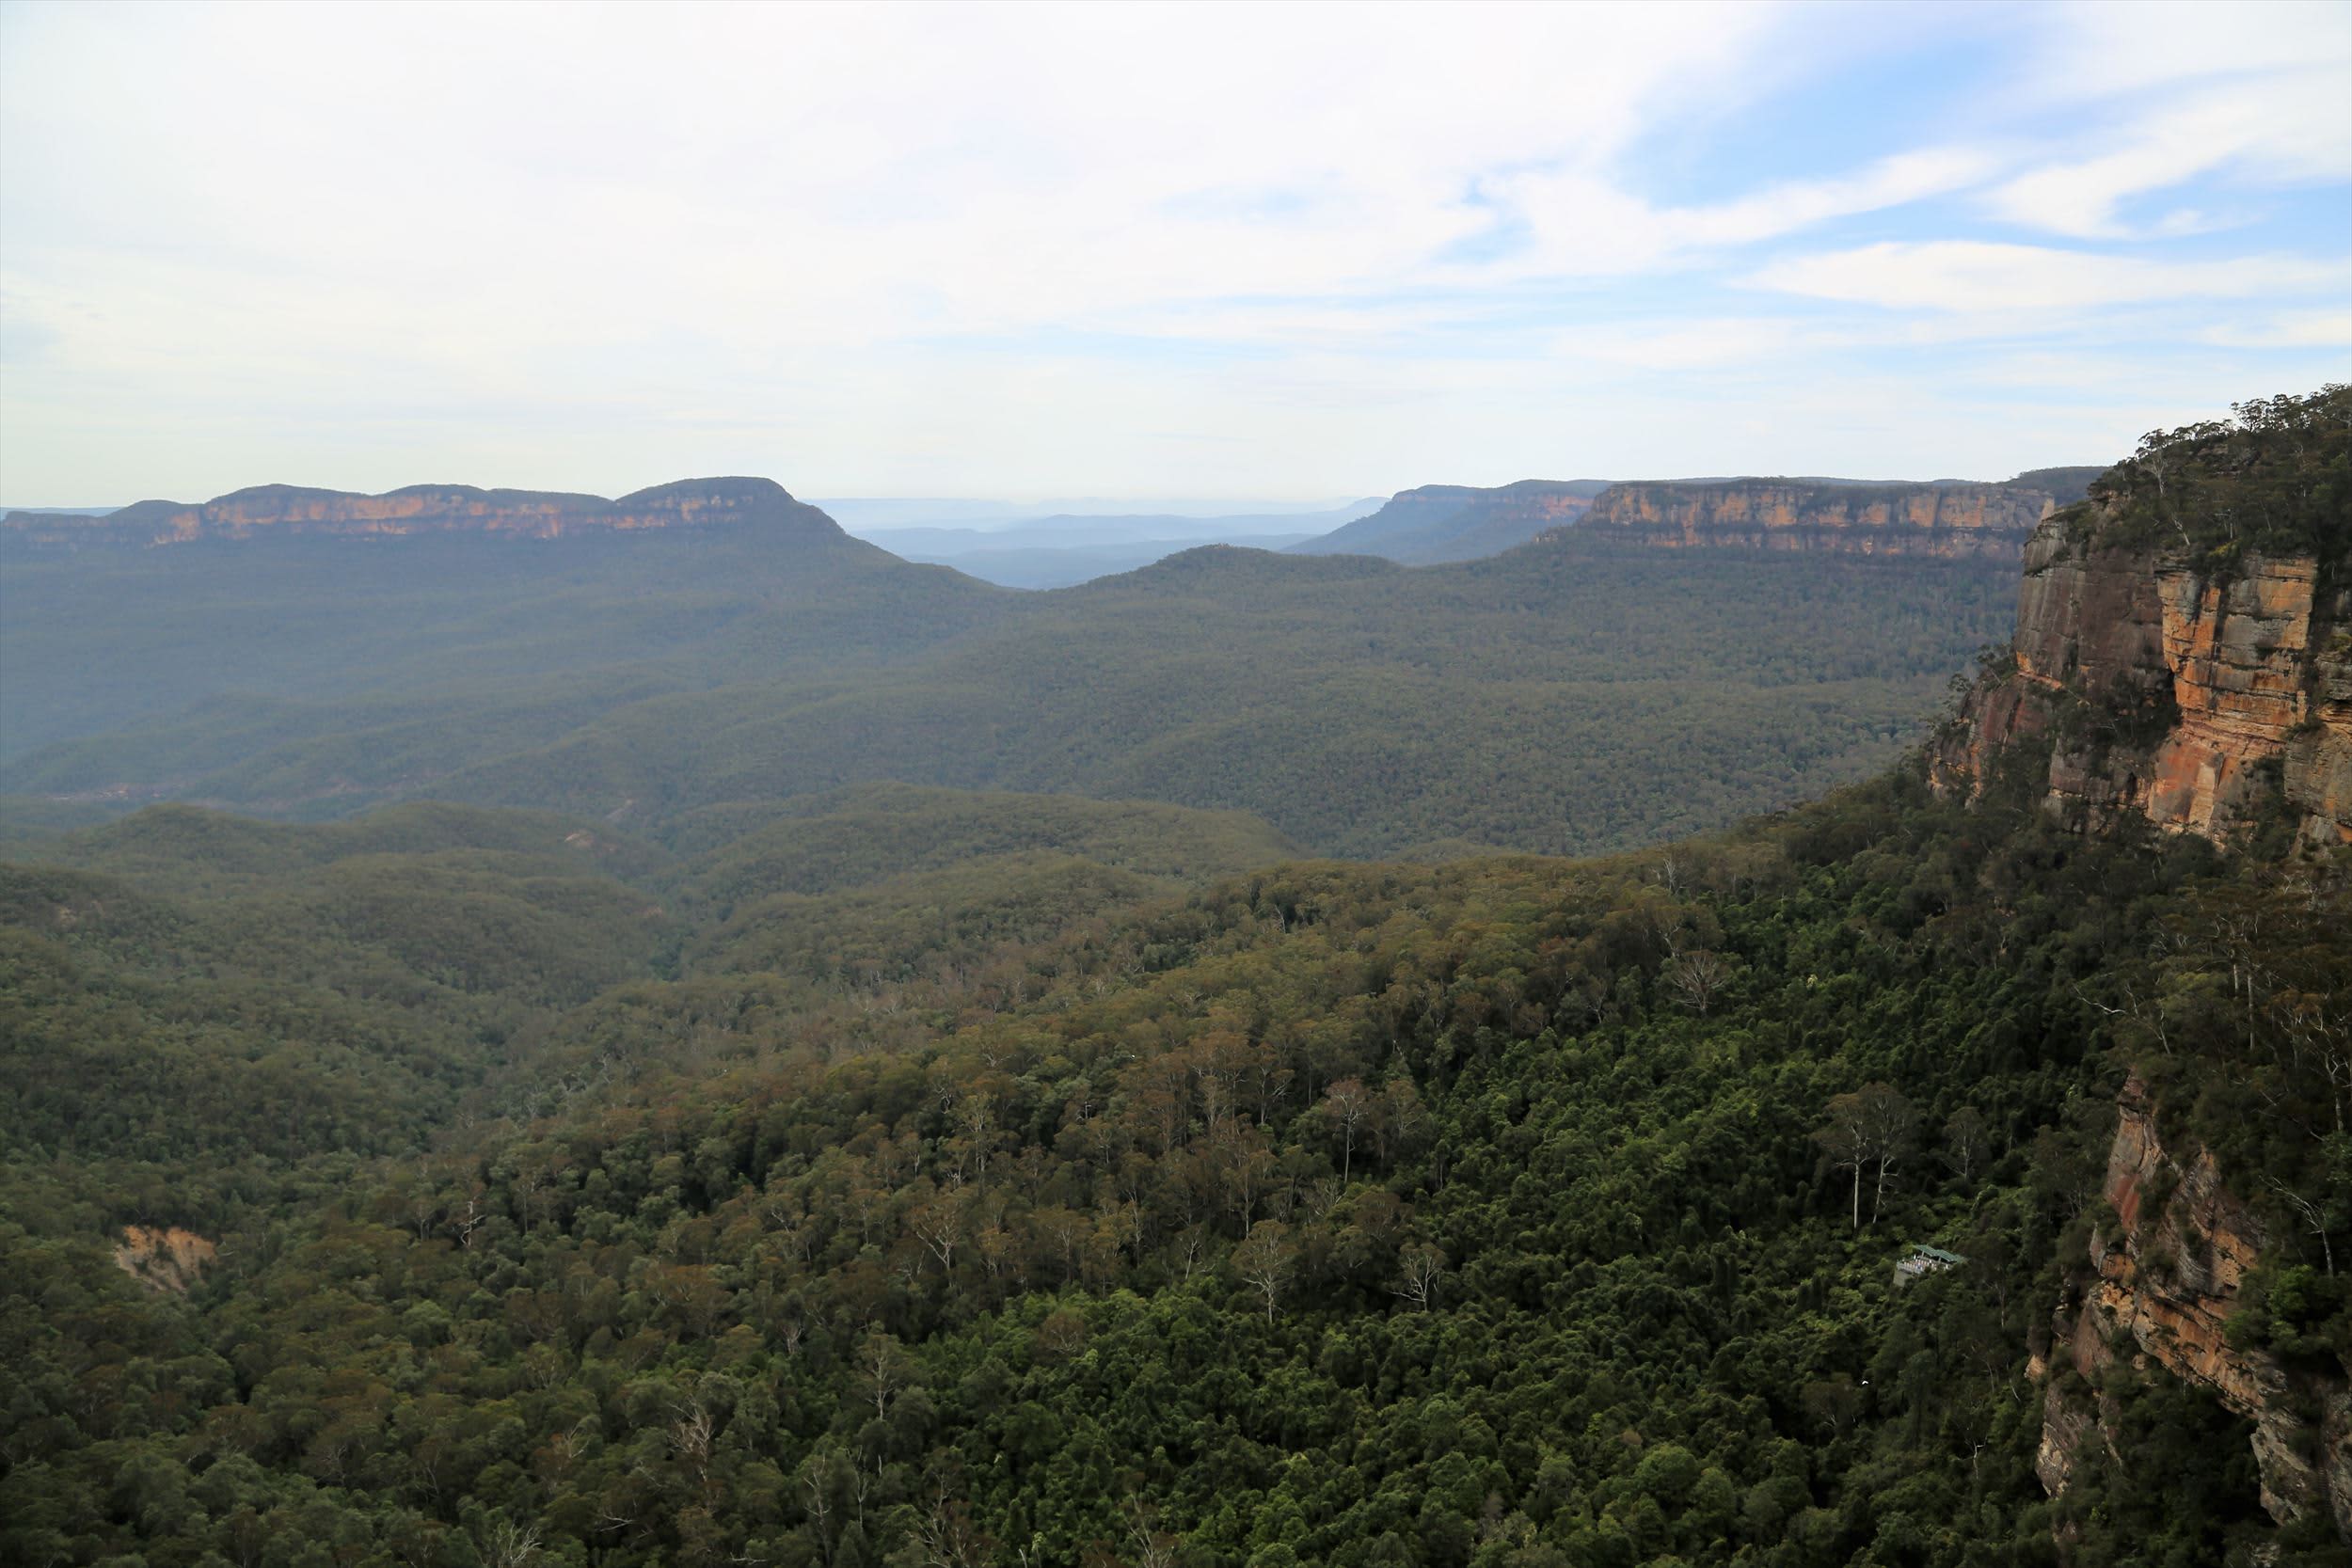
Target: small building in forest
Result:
[1925, 1260]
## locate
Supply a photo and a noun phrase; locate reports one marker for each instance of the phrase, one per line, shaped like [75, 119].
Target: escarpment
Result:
[1948, 521]
[2161, 1286]
[2194, 696]
[285, 511]
[2183, 636]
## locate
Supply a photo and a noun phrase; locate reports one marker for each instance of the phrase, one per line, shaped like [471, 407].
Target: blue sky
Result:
[1252, 251]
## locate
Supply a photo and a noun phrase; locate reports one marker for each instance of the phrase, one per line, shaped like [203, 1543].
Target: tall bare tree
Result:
[1868, 1130]
[1265, 1260]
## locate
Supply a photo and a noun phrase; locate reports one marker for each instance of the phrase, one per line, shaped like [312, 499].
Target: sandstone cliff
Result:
[2195, 698]
[285, 511]
[1951, 522]
[2183, 639]
[2162, 1285]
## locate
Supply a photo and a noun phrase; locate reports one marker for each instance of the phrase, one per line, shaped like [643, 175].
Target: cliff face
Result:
[2184, 697]
[282, 511]
[2164, 1282]
[1952, 522]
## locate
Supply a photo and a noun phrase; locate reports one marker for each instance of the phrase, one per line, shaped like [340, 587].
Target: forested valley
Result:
[1327, 1214]
[1565, 697]
[897, 1174]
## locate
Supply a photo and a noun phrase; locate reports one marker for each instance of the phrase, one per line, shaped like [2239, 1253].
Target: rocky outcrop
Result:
[285, 511]
[2195, 700]
[1954, 521]
[165, 1257]
[2163, 1284]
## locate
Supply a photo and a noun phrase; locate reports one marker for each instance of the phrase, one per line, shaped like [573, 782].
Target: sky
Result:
[1256, 251]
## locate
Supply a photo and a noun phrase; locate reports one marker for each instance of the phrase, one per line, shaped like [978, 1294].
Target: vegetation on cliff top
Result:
[2274, 479]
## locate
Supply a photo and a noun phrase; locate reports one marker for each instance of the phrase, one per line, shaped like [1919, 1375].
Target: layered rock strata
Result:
[1950, 521]
[2190, 699]
[2162, 1286]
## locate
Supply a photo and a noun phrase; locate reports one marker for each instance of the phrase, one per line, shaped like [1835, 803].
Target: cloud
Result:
[2083, 54]
[1977, 276]
[1578, 222]
[2326, 329]
[2283, 127]
[883, 248]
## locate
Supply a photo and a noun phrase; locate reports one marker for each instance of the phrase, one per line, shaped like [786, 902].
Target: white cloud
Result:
[1582, 224]
[2086, 52]
[1973, 276]
[2327, 328]
[878, 249]
[2281, 127]
[842, 172]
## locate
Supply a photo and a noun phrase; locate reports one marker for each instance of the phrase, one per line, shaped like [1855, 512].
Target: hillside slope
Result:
[1450, 1180]
[467, 631]
[1437, 523]
[1555, 698]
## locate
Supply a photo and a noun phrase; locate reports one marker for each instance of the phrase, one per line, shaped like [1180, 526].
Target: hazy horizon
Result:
[883, 514]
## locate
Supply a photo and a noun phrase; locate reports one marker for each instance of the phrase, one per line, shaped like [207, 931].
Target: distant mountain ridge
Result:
[1064, 549]
[1436, 523]
[1432, 524]
[279, 511]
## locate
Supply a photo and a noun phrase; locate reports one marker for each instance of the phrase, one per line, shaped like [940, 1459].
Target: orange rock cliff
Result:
[2183, 657]
[2162, 1285]
[1952, 522]
[2199, 702]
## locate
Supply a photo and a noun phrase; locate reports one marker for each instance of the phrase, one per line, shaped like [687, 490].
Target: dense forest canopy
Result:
[1561, 698]
[1351, 1215]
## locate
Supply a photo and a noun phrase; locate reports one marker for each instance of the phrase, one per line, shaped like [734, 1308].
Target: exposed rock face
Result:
[2185, 699]
[281, 510]
[2167, 1282]
[1953, 521]
[165, 1259]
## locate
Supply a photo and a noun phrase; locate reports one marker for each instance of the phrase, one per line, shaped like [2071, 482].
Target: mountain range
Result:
[1432, 524]
[713, 641]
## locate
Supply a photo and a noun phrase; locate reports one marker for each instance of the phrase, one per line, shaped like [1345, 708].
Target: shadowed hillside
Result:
[1563, 696]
